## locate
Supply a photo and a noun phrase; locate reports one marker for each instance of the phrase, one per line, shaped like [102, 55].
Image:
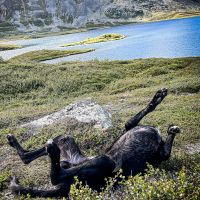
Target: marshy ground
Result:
[29, 90]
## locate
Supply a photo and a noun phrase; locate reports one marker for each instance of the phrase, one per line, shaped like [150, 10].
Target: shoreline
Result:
[182, 15]
[36, 35]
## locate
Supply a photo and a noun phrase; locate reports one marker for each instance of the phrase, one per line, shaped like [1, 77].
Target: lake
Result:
[166, 39]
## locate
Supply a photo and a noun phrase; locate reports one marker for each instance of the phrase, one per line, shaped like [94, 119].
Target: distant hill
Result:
[55, 15]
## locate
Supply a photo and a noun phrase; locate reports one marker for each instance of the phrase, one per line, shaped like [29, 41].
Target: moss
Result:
[101, 38]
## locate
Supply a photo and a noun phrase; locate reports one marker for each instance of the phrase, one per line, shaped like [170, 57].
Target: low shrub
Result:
[155, 184]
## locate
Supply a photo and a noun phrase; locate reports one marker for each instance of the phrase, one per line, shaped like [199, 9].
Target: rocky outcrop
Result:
[58, 14]
[192, 148]
[85, 111]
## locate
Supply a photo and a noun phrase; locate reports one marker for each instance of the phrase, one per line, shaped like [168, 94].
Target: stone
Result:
[85, 111]
[193, 148]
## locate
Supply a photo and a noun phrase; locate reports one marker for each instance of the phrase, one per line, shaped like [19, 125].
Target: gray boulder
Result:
[85, 111]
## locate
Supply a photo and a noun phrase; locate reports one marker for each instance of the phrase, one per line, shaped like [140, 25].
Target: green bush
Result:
[155, 184]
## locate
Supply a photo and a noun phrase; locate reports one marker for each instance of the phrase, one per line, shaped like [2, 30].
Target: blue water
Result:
[168, 39]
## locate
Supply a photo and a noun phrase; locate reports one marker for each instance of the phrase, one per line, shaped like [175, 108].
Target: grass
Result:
[43, 55]
[4, 47]
[98, 39]
[159, 16]
[29, 90]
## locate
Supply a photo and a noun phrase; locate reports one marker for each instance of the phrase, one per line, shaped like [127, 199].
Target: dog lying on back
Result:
[131, 152]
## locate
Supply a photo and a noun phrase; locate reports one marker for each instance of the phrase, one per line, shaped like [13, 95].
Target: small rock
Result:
[193, 148]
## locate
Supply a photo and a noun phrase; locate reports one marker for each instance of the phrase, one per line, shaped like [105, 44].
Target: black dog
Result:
[130, 152]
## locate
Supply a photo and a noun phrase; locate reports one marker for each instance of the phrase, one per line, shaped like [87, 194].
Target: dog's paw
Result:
[11, 140]
[158, 97]
[52, 148]
[14, 186]
[173, 129]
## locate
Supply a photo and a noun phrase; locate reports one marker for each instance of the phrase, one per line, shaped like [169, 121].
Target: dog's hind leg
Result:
[157, 99]
[61, 190]
[26, 156]
[56, 173]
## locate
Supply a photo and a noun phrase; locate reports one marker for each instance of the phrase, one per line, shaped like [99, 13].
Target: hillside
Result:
[37, 15]
[30, 90]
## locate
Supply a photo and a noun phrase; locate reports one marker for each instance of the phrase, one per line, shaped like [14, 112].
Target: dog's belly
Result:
[135, 148]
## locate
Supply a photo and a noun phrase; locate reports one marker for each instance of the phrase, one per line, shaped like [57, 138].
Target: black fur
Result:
[131, 152]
